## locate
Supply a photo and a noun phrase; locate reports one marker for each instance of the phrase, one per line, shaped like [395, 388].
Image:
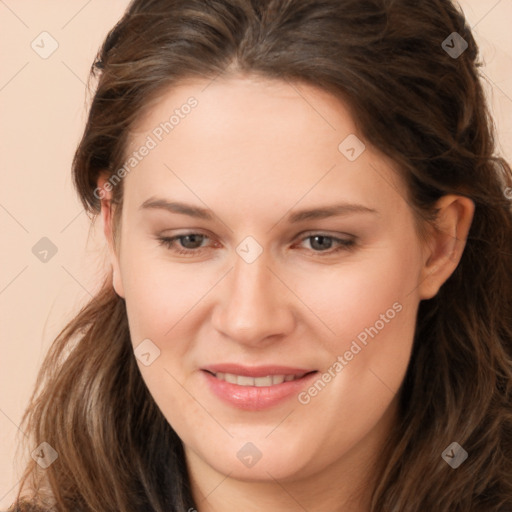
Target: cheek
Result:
[160, 300]
[160, 294]
[375, 331]
[371, 314]
[363, 293]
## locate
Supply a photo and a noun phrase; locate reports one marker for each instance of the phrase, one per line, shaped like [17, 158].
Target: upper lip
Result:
[256, 371]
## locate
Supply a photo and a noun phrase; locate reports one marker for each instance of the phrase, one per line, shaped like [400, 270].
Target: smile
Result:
[267, 386]
[244, 380]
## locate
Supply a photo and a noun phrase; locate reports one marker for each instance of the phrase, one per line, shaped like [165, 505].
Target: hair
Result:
[412, 101]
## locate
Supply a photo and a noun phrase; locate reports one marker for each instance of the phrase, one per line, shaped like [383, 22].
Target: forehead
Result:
[232, 108]
[252, 141]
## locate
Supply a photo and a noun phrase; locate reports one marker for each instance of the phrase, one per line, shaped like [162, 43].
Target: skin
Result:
[254, 151]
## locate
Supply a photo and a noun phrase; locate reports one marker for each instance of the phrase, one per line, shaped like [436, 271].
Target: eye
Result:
[189, 243]
[321, 243]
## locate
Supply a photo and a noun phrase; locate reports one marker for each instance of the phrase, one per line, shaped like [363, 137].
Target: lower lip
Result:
[254, 398]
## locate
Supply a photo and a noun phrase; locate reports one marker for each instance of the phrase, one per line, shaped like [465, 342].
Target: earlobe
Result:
[446, 244]
[106, 215]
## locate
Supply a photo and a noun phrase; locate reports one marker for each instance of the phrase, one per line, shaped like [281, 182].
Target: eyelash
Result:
[168, 242]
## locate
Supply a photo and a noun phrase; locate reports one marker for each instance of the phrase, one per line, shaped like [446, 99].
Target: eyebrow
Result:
[329, 211]
[293, 217]
[177, 207]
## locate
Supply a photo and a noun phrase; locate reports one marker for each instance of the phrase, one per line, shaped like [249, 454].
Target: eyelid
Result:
[171, 239]
[320, 232]
[340, 244]
[301, 236]
[343, 244]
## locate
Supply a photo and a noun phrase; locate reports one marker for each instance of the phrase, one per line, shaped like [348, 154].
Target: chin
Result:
[261, 460]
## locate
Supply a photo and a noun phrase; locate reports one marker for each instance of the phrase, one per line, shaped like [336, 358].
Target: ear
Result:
[447, 240]
[105, 192]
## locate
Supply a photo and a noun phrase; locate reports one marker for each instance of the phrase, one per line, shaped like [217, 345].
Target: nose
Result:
[254, 306]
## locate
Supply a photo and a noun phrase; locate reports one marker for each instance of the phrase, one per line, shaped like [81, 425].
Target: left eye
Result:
[320, 241]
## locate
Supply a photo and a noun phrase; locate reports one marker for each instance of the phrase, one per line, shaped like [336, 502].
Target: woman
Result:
[310, 299]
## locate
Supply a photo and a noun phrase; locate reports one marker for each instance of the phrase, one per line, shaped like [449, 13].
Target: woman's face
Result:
[275, 333]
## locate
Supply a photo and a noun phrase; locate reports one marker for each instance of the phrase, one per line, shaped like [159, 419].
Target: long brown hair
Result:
[411, 99]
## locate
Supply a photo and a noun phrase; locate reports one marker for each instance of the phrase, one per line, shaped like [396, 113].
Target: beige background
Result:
[42, 113]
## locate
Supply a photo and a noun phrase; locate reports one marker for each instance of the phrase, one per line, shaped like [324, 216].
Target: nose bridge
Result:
[251, 283]
[254, 306]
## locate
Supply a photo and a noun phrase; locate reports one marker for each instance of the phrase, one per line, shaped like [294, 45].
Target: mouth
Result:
[256, 388]
[259, 382]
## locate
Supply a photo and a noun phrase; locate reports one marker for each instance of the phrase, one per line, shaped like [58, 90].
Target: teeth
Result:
[229, 377]
[269, 380]
[263, 381]
[242, 380]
